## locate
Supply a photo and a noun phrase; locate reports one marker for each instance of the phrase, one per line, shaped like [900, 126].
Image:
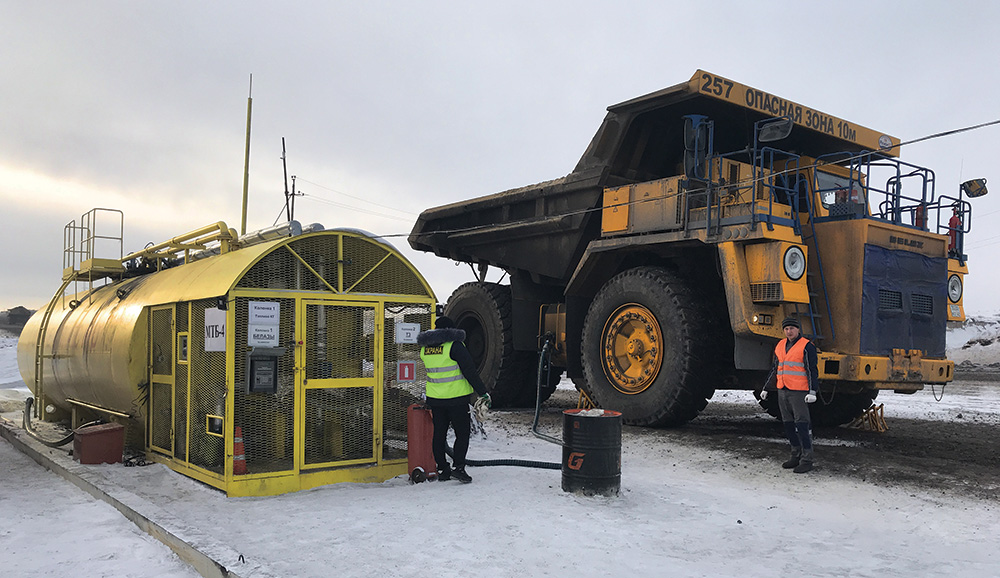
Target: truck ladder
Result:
[810, 311]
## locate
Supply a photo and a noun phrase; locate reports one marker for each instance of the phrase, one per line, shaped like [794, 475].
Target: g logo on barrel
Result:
[575, 460]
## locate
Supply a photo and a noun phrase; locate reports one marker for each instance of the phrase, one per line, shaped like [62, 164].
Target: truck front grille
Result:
[765, 292]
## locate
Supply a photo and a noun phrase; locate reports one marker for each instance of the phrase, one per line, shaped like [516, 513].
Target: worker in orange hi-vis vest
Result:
[793, 379]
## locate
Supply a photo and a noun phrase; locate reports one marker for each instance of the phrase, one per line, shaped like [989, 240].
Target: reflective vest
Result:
[444, 378]
[792, 370]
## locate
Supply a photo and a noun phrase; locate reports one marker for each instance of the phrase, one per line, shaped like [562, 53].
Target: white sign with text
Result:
[215, 330]
[262, 324]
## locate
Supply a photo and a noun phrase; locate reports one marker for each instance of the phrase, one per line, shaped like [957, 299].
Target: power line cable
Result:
[739, 184]
[354, 197]
[358, 209]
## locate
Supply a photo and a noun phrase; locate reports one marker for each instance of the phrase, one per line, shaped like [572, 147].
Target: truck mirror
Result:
[696, 141]
[776, 129]
[974, 188]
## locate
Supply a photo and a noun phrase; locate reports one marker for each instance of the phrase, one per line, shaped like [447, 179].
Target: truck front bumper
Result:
[902, 371]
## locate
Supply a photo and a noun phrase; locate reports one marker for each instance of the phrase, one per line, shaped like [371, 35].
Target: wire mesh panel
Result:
[266, 417]
[340, 342]
[390, 276]
[161, 416]
[399, 395]
[360, 257]
[161, 325]
[161, 345]
[208, 393]
[321, 253]
[338, 424]
[340, 410]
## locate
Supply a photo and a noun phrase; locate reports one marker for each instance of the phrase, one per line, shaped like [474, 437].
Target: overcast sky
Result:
[141, 106]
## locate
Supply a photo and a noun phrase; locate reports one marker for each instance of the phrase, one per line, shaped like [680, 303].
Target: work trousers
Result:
[798, 424]
[457, 416]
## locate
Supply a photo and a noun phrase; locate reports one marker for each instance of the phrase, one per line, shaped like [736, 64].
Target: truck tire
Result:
[648, 348]
[843, 408]
[483, 311]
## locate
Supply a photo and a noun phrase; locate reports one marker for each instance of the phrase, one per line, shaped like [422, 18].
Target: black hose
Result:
[26, 422]
[507, 462]
[534, 427]
[542, 365]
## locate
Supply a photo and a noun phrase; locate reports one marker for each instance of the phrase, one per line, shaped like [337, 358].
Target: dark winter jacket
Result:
[460, 354]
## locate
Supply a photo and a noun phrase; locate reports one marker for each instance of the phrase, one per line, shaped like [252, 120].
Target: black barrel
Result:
[592, 452]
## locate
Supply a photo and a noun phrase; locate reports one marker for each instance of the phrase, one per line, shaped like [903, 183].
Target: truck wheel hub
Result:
[630, 348]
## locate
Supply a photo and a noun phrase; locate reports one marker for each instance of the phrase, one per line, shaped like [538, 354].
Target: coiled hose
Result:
[543, 370]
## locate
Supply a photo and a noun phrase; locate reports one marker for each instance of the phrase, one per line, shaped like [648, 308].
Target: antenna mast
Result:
[246, 160]
[284, 166]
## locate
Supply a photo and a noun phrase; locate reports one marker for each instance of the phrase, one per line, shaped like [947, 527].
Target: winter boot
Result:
[444, 474]
[793, 439]
[460, 475]
[803, 467]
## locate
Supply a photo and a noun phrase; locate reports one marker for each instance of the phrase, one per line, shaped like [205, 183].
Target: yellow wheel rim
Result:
[631, 348]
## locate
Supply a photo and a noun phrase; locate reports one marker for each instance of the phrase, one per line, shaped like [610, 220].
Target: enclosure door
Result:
[161, 379]
[340, 386]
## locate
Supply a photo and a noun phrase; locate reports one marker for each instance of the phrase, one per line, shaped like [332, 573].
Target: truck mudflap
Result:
[903, 370]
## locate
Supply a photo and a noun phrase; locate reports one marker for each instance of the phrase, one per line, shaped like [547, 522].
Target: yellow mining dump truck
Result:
[698, 218]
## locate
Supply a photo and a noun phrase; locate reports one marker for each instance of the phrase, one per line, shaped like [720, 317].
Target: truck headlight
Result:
[954, 288]
[795, 263]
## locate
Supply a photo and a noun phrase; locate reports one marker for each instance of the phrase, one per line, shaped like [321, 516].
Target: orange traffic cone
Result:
[239, 459]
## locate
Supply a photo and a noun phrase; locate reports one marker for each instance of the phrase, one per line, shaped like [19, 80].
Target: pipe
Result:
[177, 243]
[289, 229]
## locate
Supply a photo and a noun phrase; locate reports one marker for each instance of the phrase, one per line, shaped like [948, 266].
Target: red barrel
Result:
[592, 452]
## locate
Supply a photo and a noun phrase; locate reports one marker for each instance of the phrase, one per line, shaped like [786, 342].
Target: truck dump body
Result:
[543, 229]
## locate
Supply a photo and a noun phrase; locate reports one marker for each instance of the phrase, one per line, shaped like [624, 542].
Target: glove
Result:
[763, 394]
[811, 397]
[481, 406]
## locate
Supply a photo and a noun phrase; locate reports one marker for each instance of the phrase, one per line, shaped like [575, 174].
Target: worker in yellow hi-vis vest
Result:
[451, 379]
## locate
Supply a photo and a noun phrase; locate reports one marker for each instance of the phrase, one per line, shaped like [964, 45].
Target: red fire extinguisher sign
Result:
[406, 370]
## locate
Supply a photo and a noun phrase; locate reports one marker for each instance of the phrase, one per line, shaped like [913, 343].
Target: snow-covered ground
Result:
[679, 514]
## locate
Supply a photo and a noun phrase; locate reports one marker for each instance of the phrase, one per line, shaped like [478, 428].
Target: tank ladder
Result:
[40, 347]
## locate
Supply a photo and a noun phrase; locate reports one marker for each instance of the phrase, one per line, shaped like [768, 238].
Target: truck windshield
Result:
[838, 190]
